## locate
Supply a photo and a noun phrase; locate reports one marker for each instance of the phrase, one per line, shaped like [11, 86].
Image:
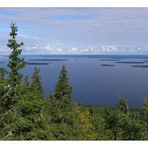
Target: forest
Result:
[25, 114]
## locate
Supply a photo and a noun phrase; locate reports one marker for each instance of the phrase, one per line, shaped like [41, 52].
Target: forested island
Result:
[26, 115]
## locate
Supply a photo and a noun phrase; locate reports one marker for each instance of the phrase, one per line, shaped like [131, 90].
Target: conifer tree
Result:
[21, 116]
[63, 89]
[26, 84]
[16, 63]
[2, 86]
[62, 108]
[123, 105]
[3, 72]
[11, 93]
[36, 82]
[144, 113]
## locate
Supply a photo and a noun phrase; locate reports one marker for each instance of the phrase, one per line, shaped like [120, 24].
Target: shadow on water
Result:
[37, 63]
[48, 59]
[108, 65]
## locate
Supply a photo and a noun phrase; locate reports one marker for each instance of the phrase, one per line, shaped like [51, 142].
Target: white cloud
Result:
[59, 49]
[73, 49]
[109, 48]
[91, 49]
[76, 30]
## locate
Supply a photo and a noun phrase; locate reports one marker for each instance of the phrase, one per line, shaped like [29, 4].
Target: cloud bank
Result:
[77, 30]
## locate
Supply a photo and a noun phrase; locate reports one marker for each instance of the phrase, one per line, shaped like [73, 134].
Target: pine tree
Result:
[12, 91]
[63, 109]
[63, 89]
[15, 61]
[36, 85]
[21, 116]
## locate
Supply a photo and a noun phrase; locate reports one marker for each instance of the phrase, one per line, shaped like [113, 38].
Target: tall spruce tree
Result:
[16, 63]
[11, 93]
[63, 89]
[63, 110]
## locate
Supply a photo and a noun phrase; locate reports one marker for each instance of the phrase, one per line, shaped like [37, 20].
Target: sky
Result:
[77, 30]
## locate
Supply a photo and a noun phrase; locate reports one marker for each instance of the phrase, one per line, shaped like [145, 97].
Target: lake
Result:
[96, 79]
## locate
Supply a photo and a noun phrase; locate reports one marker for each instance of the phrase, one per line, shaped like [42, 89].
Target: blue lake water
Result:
[97, 80]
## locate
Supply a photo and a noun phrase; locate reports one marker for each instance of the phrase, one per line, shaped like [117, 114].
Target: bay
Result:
[92, 83]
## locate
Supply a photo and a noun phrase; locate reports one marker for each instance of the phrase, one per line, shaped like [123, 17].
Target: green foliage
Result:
[124, 126]
[145, 111]
[62, 109]
[63, 89]
[26, 84]
[36, 83]
[32, 111]
[112, 124]
[22, 113]
[84, 125]
[15, 64]
[15, 61]
[26, 115]
[144, 117]
[123, 105]
[132, 129]
[3, 72]
[60, 118]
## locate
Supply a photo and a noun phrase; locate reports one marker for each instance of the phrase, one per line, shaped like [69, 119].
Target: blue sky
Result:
[77, 30]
